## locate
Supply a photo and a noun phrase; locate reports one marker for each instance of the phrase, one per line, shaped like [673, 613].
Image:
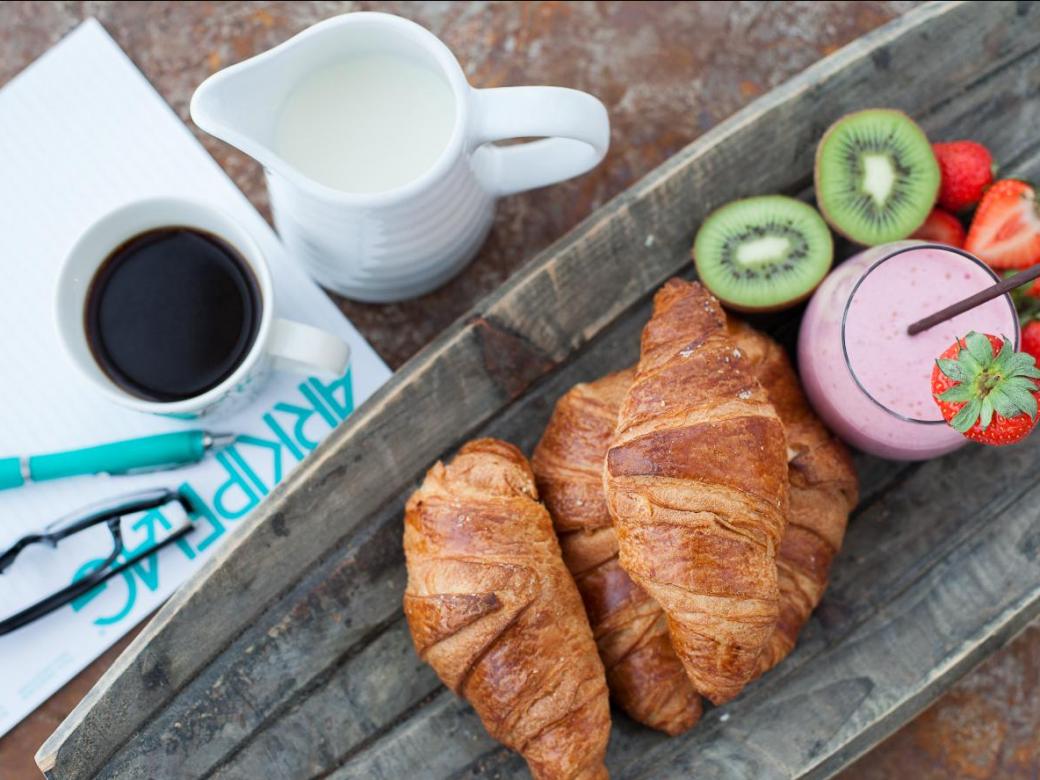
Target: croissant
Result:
[493, 609]
[696, 483]
[643, 673]
[823, 490]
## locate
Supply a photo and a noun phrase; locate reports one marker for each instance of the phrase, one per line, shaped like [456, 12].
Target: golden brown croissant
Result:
[696, 482]
[493, 609]
[643, 673]
[823, 490]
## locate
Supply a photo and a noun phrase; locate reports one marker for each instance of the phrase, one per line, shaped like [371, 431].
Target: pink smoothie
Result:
[878, 398]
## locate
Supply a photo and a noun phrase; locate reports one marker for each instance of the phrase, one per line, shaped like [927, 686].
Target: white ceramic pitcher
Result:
[406, 241]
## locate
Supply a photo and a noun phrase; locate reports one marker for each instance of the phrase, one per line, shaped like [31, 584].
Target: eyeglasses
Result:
[99, 517]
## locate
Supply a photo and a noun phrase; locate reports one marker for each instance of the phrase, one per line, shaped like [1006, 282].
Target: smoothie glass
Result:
[868, 379]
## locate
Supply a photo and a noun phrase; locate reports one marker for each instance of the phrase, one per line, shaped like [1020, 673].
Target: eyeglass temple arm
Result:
[85, 585]
[142, 502]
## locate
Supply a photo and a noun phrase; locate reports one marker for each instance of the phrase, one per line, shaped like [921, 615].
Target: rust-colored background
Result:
[667, 73]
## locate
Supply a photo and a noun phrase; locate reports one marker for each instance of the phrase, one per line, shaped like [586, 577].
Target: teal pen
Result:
[133, 456]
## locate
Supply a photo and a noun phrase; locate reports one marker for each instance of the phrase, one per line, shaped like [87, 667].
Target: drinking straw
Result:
[1000, 288]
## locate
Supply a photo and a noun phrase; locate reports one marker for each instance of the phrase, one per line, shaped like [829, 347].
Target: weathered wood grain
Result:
[304, 667]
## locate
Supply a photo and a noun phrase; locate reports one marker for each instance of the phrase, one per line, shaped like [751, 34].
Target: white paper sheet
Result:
[82, 132]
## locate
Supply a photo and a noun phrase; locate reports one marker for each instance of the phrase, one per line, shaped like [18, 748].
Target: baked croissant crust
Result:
[696, 483]
[644, 675]
[823, 490]
[493, 609]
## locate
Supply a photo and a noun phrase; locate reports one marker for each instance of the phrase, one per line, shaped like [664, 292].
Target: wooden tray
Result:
[288, 655]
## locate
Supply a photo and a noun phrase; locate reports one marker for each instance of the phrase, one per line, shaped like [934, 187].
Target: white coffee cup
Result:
[279, 343]
[402, 242]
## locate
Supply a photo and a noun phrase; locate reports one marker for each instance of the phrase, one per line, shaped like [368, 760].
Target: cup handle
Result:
[573, 126]
[305, 349]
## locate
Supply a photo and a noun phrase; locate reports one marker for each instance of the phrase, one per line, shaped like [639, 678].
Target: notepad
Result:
[81, 133]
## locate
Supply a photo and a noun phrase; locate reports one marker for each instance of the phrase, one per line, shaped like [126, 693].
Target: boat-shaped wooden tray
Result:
[288, 656]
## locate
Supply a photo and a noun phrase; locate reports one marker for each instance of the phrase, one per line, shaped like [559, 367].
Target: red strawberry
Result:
[941, 227]
[987, 391]
[967, 167]
[1006, 229]
[1026, 298]
[1031, 338]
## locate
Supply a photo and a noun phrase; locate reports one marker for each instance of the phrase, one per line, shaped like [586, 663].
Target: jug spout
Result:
[239, 105]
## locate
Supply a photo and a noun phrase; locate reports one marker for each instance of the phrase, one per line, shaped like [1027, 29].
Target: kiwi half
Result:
[876, 176]
[763, 254]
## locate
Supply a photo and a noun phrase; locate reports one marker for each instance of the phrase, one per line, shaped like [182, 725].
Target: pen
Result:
[133, 456]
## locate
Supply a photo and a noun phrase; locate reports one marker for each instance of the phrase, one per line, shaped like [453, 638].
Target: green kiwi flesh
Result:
[876, 176]
[764, 253]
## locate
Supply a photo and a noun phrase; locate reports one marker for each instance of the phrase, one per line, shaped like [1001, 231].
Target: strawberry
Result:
[1006, 229]
[967, 168]
[1026, 298]
[985, 390]
[1031, 338]
[941, 227]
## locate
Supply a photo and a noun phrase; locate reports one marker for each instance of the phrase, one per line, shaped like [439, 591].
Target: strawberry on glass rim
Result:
[986, 390]
[1005, 232]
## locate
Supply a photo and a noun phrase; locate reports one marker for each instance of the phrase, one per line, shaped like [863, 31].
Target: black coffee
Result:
[172, 313]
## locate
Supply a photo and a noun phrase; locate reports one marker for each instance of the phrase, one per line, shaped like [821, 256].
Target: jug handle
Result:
[573, 127]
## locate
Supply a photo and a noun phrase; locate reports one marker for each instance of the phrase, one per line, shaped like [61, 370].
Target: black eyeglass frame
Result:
[111, 515]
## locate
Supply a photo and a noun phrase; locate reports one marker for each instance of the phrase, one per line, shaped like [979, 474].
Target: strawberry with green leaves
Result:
[986, 390]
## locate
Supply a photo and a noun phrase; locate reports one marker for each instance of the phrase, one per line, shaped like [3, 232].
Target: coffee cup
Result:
[167, 306]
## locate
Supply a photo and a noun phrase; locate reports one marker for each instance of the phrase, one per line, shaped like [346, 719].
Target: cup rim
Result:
[274, 163]
[852, 294]
[180, 211]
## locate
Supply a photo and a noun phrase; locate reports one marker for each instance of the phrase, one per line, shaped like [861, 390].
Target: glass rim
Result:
[852, 294]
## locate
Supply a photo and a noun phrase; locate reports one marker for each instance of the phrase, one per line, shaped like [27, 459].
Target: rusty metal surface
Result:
[986, 728]
[667, 72]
